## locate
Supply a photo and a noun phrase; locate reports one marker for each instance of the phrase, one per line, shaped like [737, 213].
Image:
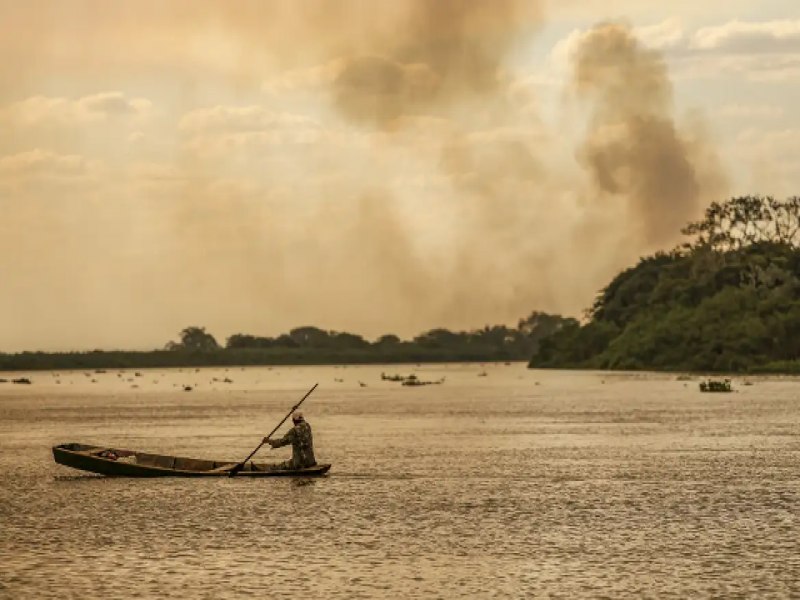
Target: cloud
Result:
[230, 119]
[665, 35]
[767, 68]
[592, 10]
[34, 179]
[227, 132]
[767, 51]
[749, 37]
[38, 163]
[750, 111]
[563, 51]
[307, 79]
[44, 110]
[240, 135]
[760, 51]
[109, 104]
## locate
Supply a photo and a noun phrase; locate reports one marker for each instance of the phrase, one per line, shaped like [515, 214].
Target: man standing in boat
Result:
[299, 436]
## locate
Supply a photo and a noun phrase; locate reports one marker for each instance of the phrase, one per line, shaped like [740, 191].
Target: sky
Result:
[370, 167]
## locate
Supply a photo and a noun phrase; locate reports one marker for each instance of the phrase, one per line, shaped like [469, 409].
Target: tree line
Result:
[517, 342]
[196, 346]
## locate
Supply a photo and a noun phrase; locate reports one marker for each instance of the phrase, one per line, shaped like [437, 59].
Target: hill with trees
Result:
[726, 301]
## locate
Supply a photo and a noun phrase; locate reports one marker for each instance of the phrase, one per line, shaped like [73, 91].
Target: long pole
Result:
[240, 466]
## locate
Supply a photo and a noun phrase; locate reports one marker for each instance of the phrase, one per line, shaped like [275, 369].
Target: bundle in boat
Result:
[716, 386]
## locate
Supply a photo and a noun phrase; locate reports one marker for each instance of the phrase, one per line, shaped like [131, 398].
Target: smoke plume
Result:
[634, 149]
[440, 53]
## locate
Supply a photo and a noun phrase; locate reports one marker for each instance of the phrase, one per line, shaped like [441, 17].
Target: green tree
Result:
[348, 341]
[309, 336]
[194, 338]
[439, 338]
[538, 326]
[729, 301]
[747, 220]
[240, 340]
[388, 340]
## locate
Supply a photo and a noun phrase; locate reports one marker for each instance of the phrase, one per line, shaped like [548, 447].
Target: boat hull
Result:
[129, 463]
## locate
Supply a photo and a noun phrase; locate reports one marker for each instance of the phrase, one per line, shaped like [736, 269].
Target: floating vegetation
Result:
[414, 380]
[715, 385]
[410, 379]
[399, 378]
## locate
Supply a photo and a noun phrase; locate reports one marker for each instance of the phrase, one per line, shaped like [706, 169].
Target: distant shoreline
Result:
[168, 359]
[48, 361]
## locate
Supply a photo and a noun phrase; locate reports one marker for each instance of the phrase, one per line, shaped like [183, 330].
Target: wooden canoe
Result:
[130, 463]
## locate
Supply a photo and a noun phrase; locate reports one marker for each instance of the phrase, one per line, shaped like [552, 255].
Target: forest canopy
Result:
[726, 300]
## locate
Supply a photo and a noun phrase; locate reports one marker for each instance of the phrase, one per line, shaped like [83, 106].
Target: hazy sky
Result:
[373, 167]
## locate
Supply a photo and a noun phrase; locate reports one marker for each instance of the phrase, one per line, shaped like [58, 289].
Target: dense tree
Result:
[194, 338]
[729, 301]
[388, 340]
[439, 338]
[309, 336]
[539, 325]
[348, 340]
[241, 340]
[286, 341]
[498, 336]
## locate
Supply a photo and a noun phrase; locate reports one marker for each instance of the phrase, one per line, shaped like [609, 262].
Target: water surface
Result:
[501, 482]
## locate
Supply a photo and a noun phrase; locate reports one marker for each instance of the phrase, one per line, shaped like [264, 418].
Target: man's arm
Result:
[285, 440]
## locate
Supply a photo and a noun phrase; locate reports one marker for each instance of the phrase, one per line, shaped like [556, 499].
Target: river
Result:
[500, 482]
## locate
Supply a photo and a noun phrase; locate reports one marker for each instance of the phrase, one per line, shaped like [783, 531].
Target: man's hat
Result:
[297, 416]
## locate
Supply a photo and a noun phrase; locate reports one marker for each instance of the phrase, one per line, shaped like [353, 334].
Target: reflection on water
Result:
[516, 484]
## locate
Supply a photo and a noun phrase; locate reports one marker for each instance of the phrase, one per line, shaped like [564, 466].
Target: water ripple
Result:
[639, 487]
